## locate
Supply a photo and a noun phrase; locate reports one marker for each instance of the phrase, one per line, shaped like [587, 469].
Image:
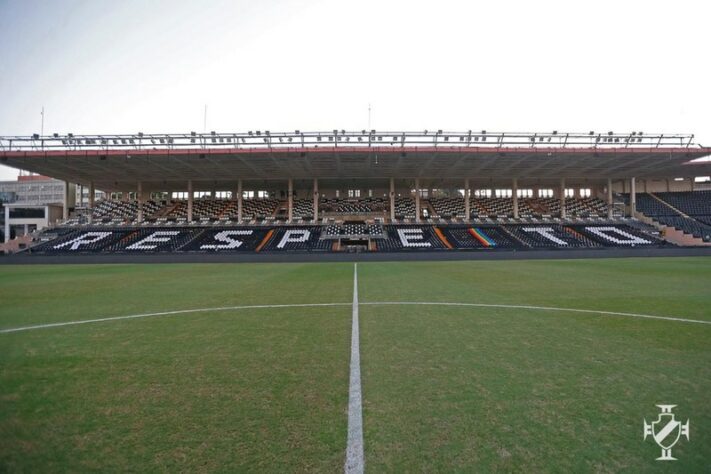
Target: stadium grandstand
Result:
[369, 191]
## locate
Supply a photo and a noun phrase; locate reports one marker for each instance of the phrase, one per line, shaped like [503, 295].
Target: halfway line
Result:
[355, 459]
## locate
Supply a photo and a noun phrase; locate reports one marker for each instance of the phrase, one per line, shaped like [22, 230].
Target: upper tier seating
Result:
[527, 207]
[693, 203]
[123, 211]
[353, 206]
[697, 205]
[405, 208]
[303, 209]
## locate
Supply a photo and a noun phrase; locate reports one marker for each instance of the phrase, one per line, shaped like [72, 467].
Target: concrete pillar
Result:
[92, 192]
[7, 223]
[316, 199]
[609, 198]
[190, 200]
[124, 196]
[417, 200]
[693, 183]
[290, 201]
[562, 198]
[668, 187]
[239, 201]
[514, 195]
[633, 197]
[467, 201]
[392, 199]
[139, 197]
[65, 205]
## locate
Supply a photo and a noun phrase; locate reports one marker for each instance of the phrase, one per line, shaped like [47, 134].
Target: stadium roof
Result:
[168, 161]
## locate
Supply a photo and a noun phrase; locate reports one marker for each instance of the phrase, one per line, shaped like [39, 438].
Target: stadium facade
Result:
[371, 191]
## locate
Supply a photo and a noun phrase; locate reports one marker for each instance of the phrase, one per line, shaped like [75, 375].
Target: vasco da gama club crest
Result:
[666, 431]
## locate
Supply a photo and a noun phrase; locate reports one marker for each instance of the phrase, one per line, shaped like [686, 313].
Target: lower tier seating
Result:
[381, 238]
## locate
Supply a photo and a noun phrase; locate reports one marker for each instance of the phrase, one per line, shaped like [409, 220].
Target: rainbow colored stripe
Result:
[479, 235]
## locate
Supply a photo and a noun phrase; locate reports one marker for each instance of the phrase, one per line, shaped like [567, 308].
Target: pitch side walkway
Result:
[448, 255]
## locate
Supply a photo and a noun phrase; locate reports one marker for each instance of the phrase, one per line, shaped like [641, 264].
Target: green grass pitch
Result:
[445, 388]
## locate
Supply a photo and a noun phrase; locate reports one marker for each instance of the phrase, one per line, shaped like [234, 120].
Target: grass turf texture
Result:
[444, 388]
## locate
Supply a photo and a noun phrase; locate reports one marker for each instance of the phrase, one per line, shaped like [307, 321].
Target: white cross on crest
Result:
[666, 431]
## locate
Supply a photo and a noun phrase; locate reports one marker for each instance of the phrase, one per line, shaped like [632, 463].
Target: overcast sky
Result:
[127, 66]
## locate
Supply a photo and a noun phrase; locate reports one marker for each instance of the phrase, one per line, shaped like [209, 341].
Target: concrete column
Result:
[693, 184]
[124, 196]
[514, 195]
[609, 198]
[190, 200]
[92, 192]
[562, 198]
[392, 199]
[668, 187]
[316, 199]
[65, 205]
[467, 203]
[417, 200]
[139, 197]
[633, 197]
[7, 224]
[239, 201]
[290, 201]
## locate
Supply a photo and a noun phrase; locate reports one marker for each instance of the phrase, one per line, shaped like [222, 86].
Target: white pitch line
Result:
[167, 313]
[374, 303]
[355, 459]
[541, 308]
